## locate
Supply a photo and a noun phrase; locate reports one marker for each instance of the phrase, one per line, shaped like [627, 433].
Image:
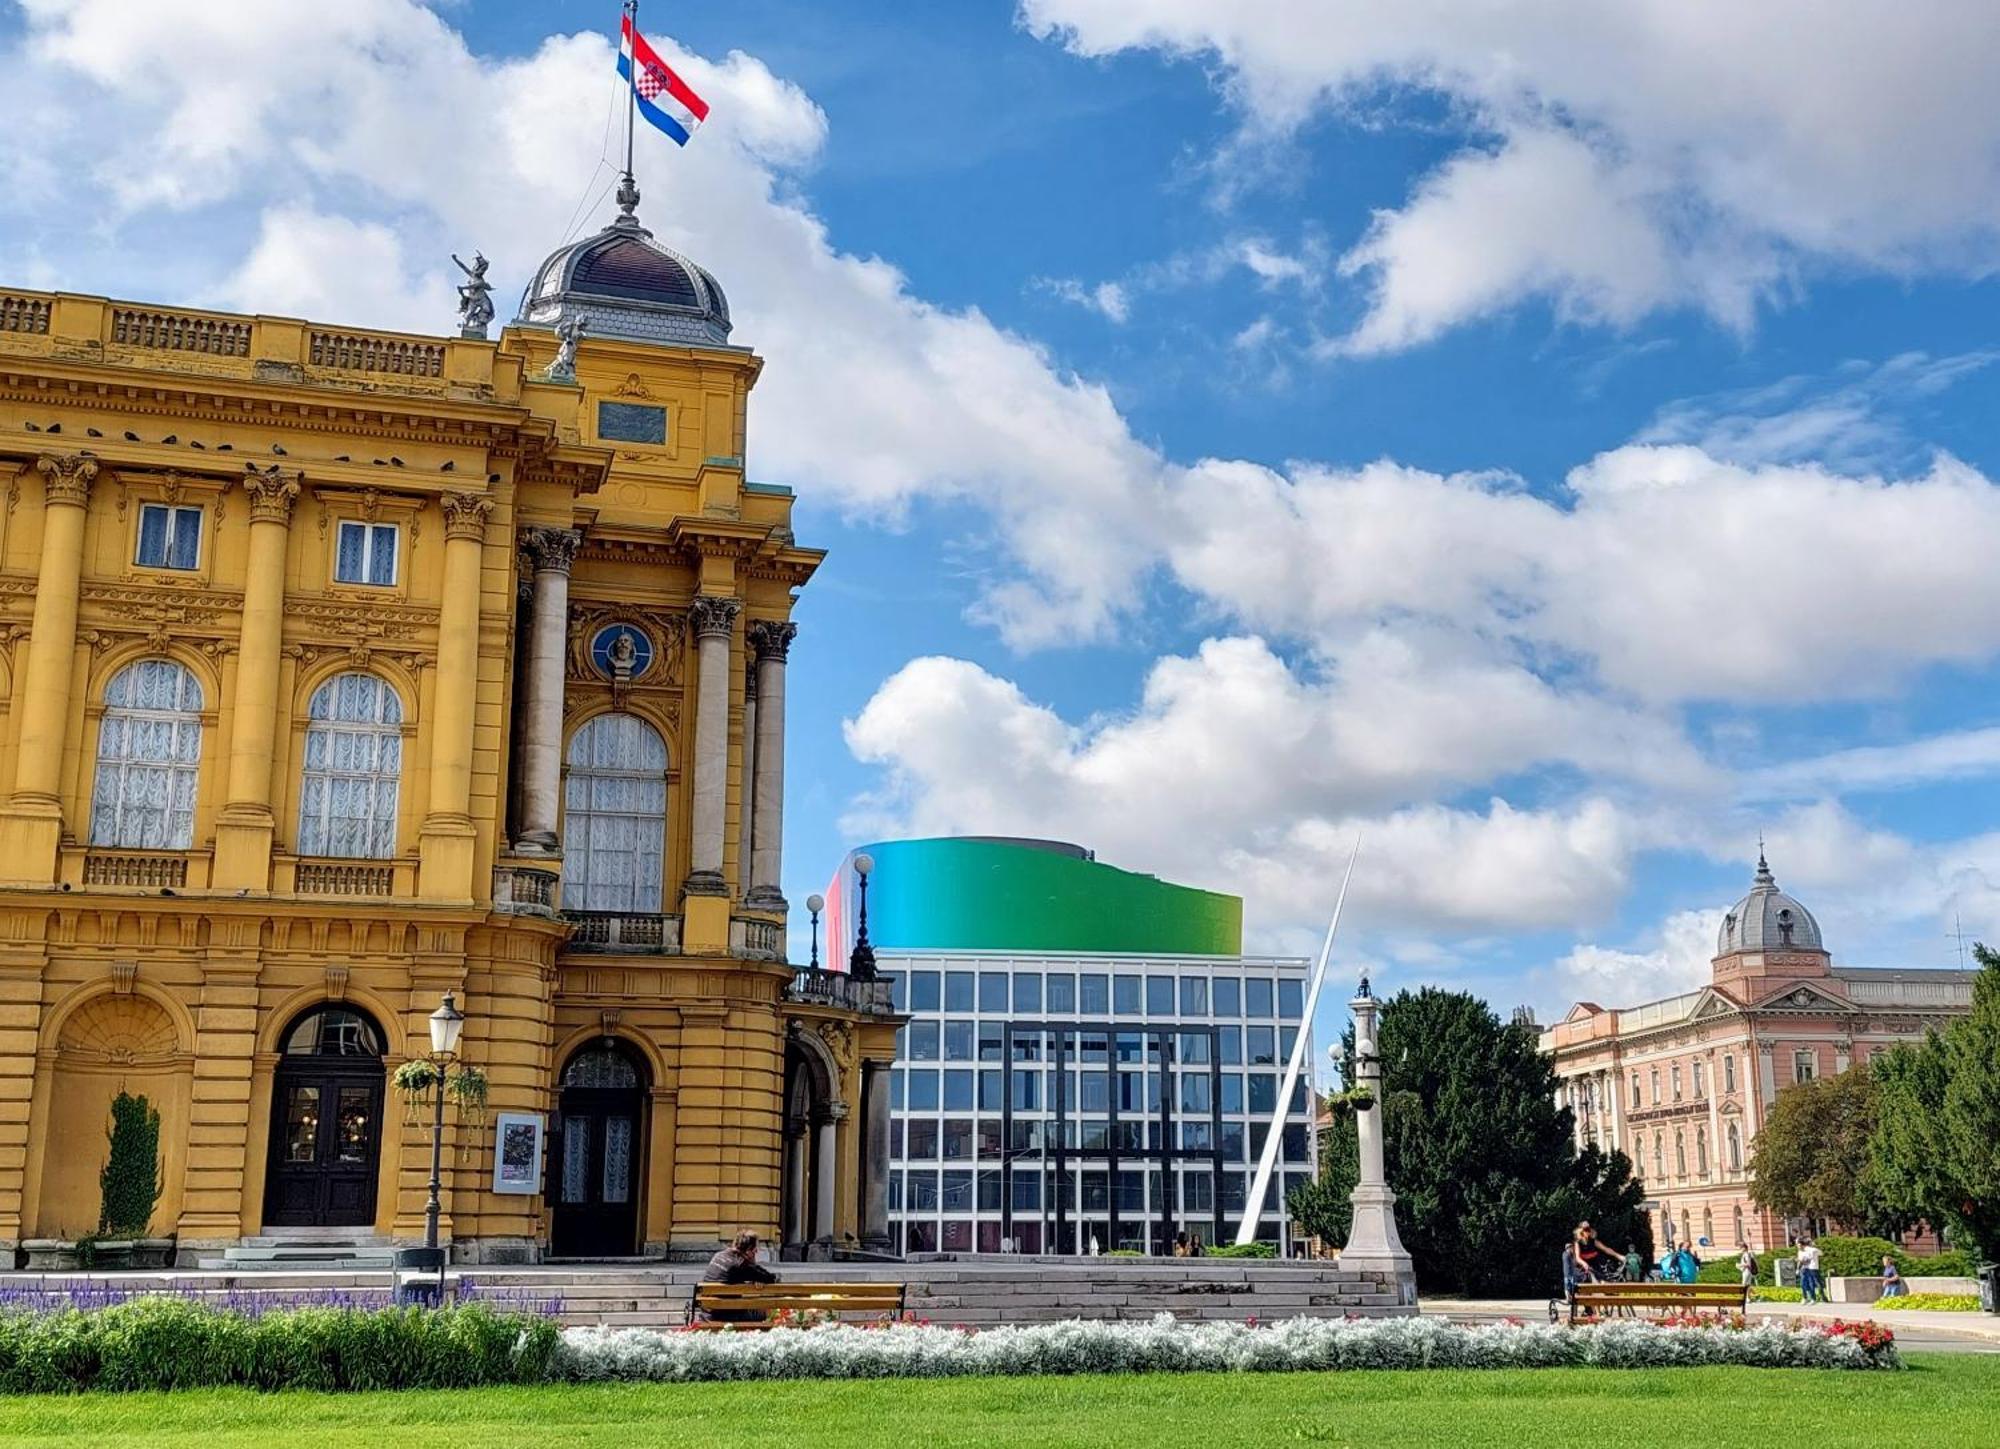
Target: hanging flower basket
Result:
[1354, 1099]
[464, 1088]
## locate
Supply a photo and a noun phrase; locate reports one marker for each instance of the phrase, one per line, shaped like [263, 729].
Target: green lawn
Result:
[1944, 1400]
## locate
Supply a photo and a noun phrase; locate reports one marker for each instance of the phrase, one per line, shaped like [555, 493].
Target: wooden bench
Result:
[885, 1299]
[1601, 1299]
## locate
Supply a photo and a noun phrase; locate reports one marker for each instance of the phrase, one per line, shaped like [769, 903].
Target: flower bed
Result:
[1167, 1346]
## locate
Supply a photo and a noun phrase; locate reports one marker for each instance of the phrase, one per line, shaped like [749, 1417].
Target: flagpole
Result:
[631, 96]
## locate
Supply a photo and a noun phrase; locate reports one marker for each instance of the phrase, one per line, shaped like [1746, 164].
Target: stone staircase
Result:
[352, 1250]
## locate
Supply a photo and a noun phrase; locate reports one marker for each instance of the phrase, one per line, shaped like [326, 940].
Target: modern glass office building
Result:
[1055, 1101]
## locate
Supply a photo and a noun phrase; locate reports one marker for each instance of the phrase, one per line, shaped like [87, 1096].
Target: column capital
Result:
[713, 614]
[772, 638]
[551, 550]
[465, 515]
[272, 491]
[66, 477]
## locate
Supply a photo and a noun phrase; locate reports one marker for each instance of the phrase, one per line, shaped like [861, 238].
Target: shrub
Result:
[1845, 1257]
[1776, 1295]
[171, 1343]
[848, 1351]
[1241, 1250]
[131, 1178]
[1936, 1302]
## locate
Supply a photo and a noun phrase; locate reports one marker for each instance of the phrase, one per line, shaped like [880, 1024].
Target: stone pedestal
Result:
[1373, 1244]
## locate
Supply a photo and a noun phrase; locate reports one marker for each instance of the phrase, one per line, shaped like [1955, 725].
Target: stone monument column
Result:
[1373, 1244]
[772, 639]
[246, 823]
[552, 551]
[714, 621]
[32, 826]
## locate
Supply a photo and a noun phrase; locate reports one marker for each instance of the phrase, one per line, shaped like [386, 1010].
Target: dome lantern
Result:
[1767, 920]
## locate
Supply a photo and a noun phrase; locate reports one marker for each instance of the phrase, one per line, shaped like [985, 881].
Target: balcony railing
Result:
[344, 878]
[757, 940]
[147, 869]
[837, 988]
[524, 889]
[626, 932]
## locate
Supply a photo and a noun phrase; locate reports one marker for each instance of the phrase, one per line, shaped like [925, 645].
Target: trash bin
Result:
[419, 1277]
[1989, 1287]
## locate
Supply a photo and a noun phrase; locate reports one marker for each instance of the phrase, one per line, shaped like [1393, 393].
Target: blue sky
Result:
[1554, 445]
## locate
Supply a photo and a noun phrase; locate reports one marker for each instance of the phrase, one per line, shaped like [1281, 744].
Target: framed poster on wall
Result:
[517, 1152]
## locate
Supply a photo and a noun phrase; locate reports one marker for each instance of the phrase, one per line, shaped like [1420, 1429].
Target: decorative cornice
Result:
[272, 492]
[712, 614]
[66, 477]
[772, 638]
[465, 515]
[552, 550]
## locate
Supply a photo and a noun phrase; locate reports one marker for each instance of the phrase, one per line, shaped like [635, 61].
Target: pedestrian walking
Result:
[1810, 1288]
[1746, 1268]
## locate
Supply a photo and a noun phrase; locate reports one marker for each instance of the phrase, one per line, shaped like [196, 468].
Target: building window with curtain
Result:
[615, 816]
[1659, 1156]
[148, 758]
[1735, 1138]
[1701, 1150]
[1680, 1153]
[353, 769]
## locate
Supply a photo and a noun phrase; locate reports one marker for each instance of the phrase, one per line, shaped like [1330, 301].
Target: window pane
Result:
[1093, 997]
[993, 992]
[923, 991]
[382, 554]
[1159, 996]
[1263, 1045]
[923, 1041]
[1061, 994]
[1257, 996]
[958, 1041]
[1027, 992]
[1125, 996]
[1228, 996]
[958, 991]
[153, 536]
[958, 1091]
[187, 538]
[348, 564]
[1291, 998]
[1194, 996]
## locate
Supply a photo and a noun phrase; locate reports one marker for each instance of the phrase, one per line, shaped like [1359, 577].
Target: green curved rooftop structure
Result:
[980, 893]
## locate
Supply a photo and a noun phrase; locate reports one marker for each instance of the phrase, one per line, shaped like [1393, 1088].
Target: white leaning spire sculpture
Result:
[1373, 1244]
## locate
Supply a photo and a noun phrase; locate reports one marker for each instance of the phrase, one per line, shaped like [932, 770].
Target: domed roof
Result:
[622, 283]
[1768, 920]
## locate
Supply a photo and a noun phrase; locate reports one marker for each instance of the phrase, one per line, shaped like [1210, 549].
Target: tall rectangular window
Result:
[1061, 993]
[958, 991]
[1027, 992]
[1093, 994]
[1803, 1066]
[1728, 1077]
[1194, 996]
[993, 992]
[169, 537]
[1227, 994]
[1291, 998]
[1159, 996]
[1257, 997]
[366, 553]
[1125, 996]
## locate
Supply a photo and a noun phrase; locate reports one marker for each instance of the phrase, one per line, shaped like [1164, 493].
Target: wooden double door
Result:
[596, 1169]
[326, 1142]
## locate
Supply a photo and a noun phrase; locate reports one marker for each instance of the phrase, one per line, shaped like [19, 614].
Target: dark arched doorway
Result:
[595, 1169]
[326, 1122]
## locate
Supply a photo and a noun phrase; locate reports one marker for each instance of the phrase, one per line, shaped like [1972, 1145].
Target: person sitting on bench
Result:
[737, 1263]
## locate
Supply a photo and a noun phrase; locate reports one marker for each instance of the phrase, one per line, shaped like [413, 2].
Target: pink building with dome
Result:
[1683, 1085]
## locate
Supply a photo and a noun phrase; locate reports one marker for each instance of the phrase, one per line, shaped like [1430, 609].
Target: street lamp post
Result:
[861, 960]
[446, 1024]
[815, 904]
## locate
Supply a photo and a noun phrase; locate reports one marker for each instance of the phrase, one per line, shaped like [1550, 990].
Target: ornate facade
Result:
[1682, 1086]
[340, 669]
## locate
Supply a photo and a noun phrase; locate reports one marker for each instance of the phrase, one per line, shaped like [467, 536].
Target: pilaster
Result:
[448, 837]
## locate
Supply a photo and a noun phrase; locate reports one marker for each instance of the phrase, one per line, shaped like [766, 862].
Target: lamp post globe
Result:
[861, 960]
[815, 903]
[446, 1024]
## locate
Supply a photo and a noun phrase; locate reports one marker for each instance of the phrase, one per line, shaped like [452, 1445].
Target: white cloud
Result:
[1238, 771]
[1678, 961]
[1109, 300]
[1705, 154]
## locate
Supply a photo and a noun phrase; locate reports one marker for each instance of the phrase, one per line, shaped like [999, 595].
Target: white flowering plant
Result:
[1164, 1345]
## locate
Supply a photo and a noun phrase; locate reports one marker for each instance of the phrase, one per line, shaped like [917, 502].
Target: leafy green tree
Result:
[1812, 1156]
[1935, 1153]
[1483, 1163]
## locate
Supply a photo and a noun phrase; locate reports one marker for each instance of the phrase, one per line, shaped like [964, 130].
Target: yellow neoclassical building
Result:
[340, 669]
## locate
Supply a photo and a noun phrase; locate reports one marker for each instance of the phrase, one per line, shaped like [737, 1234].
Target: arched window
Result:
[333, 1031]
[615, 816]
[600, 1066]
[148, 755]
[1701, 1150]
[1680, 1153]
[353, 770]
[1740, 1239]
[1735, 1149]
[1707, 1225]
[1659, 1156]
[1687, 1236]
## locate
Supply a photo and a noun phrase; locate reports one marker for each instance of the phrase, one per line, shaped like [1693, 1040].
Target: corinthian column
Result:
[448, 834]
[1373, 1244]
[772, 639]
[32, 826]
[713, 620]
[552, 551]
[246, 824]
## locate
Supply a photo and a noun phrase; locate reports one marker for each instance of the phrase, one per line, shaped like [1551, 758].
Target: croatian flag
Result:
[663, 97]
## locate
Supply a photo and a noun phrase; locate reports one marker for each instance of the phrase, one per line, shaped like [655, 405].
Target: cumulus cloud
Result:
[1677, 961]
[1242, 771]
[1622, 157]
